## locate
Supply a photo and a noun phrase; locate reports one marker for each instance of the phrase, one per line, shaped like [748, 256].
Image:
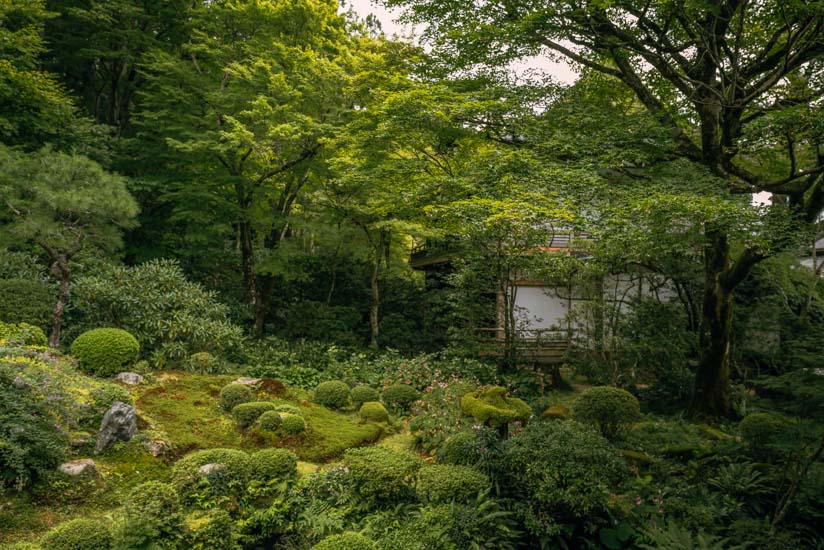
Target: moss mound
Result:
[492, 406]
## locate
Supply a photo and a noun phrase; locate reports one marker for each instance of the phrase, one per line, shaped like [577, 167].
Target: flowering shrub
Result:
[437, 414]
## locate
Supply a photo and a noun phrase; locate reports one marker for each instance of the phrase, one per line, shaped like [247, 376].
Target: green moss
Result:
[558, 412]
[492, 406]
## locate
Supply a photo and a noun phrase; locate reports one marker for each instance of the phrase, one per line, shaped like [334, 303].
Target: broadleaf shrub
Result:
[381, 474]
[210, 529]
[232, 395]
[611, 409]
[447, 482]
[203, 362]
[22, 334]
[170, 316]
[333, 394]
[105, 351]
[26, 301]
[79, 534]
[246, 414]
[761, 430]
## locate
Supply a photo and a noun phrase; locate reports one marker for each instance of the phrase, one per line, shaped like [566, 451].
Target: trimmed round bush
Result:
[79, 534]
[202, 362]
[291, 409]
[268, 464]
[26, 301]
[233, 395]
[345, 541]
[269, 421]
[333, 394]
[760, 430]
[210, 529]
[152, 516]
[611, 409]
[373, 411]
[247, 414]
[493, 407]
[22, 334]
[447, 482]
[364, 394]
[399, 396]
[227, 476]
[105, 351]
[381, 474]
[292, 424]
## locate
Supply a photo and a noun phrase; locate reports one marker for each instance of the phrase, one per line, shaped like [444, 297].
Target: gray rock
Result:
[247, 381]
[156, 447]
[119, 424]
[129, 378]
[209, 469]
[82, 467]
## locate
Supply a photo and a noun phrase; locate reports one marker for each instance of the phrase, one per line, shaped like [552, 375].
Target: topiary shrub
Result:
[269, 464]
[399, 396]
[247, 414]
[26, 301]
[611, 409]
[151, 517]
[292, 424]
[761, 430]
[364, 394]
[233, 395]
[291, 409]
[556, 412]
[564, 473]
[228, 474]
[269, 421]
[493, 407]
[202, 362]
[447, 482]
[79, 534]
[345, 541]
[22, 334]
[333, 394]
[105, 351]
[373, 411]
[209, 530]
[379, 473]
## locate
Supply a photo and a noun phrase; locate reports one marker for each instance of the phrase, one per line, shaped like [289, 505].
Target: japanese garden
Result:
[411, 274]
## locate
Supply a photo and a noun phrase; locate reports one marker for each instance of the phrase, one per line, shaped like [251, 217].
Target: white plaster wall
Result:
[539, 307]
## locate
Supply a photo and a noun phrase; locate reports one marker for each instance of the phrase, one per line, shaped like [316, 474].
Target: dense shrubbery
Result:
[203, 362]
[380, 474]
[26, 301]
[211, 473]
[246, 414]
[446, 482]
[32, 442]
[105, 351]
[172, 317]
[610, 409]
[564, 473]
[151, 517]
[21, 334]
[333, 394]
[269, 464]
[762, 430]
[373, 411]
[345, 541]
[210, 530]
[79, 534]
[233, 395]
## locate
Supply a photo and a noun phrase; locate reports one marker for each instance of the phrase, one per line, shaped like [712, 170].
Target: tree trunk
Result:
[711, 393]
[265, 284]
[374, 306]
[62, 271]
[248, 261]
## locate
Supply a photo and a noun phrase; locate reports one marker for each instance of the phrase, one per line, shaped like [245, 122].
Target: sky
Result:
[388, 18]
